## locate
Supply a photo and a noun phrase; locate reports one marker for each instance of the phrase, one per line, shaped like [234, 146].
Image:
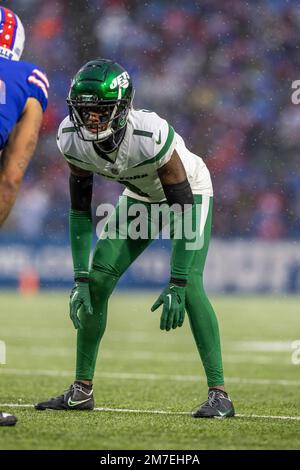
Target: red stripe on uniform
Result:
[42, 76]
[39, 83]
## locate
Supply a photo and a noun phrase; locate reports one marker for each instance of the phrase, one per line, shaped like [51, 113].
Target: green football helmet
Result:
[99, 100]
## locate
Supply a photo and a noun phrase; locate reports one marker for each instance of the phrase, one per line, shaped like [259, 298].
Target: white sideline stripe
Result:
[263, 346]
[144, 376]
[294, 418]
[66, 333]
[163, 412]
[126, 410]
[15, 405]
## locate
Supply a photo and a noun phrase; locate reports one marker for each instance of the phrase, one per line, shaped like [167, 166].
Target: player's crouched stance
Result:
[104, 135]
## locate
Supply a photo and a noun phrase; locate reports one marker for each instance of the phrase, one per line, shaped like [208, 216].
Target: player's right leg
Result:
[111, 259]
[205, 329]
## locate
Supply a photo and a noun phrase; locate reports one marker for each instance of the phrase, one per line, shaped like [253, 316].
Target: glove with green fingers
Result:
[80, 297]
[173, 300]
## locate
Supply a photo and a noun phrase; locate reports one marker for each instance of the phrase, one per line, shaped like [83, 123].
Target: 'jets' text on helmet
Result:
[99, 100]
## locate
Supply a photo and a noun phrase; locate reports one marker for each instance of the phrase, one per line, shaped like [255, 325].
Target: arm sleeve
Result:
[80, 223]
[183, 242]
[185, 248]
[183, 211]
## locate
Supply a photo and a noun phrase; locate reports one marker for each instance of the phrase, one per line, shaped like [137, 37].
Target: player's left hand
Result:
[173, 300]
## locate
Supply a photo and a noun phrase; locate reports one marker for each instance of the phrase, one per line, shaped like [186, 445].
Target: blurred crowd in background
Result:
[219, 71]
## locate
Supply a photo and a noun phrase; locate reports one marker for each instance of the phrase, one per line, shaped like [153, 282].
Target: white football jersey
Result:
[148, 144]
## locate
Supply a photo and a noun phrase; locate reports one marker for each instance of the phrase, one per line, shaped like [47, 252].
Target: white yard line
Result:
[65, 332]
[263, 346]
[293, 418]
[164, 412]
[15, 405]
[143, 337]
[148, 376]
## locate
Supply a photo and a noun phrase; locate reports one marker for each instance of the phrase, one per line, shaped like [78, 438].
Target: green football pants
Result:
[111, 259]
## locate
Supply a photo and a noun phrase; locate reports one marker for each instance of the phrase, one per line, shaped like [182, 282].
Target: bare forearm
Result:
[11, 175]
[16, 157]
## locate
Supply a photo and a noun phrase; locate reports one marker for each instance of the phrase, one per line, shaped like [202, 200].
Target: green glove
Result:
[173, 300]
[80, 296]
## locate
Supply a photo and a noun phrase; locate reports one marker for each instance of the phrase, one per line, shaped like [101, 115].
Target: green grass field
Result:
[143, 369]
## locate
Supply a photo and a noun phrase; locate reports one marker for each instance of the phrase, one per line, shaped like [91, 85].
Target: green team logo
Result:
[121, 81]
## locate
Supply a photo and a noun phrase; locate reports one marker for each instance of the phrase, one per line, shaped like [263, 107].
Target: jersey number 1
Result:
[2, 92]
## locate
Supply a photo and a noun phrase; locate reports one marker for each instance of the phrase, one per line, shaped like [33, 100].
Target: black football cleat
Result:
[76, 397]
[218, 405]
[7, 420]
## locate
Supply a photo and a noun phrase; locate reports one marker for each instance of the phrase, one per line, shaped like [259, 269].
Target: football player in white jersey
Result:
[105, 135]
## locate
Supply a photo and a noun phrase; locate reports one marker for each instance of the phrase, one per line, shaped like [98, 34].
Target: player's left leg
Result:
[112, 257]
[204, 323]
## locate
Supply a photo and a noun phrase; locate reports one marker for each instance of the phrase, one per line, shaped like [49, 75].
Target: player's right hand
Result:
[80, 297]
[173, 301]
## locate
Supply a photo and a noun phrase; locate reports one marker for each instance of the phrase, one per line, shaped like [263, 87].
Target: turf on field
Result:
[142, 368]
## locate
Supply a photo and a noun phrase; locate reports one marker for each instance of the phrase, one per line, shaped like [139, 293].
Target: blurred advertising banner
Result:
[242, 266]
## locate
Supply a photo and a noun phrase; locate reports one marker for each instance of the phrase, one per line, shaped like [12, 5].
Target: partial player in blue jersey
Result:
[23, 99]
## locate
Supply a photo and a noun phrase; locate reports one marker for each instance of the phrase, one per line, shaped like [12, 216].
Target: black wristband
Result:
[81, 189]
[178, 282]
[179, 193]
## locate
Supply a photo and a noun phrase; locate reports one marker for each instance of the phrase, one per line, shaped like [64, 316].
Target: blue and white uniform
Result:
[18, 80]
